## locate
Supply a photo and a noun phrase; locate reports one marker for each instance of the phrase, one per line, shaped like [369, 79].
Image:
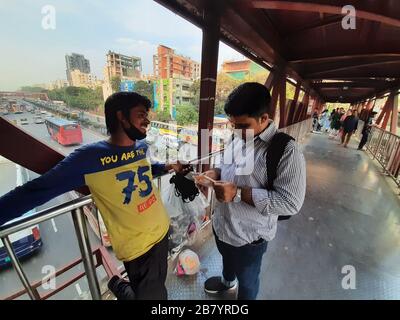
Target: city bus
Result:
[166, 128]
[27, 241]
[63, 131]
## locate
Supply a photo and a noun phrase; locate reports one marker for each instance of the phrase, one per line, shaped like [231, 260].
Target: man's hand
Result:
[202, 183]
[214, 174]
[225, 191]
[179, 167]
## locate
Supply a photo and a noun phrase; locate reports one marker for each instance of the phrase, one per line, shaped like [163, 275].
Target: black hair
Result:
[250, 98]
[123, 101]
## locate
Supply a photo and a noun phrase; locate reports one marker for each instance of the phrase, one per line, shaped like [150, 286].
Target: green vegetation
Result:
[115, 84]
[186, 115]
[33, 89]
[80, 98]
[146, 89]
[162, 115]
[195, 91]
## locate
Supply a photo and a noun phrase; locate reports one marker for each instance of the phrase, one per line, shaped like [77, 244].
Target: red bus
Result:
[63, 131]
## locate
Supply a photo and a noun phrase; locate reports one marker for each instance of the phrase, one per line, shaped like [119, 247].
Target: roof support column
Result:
[395, 113]
[209, 64]
[300, 108]
[360, 106]
[270, 80]
[306, 101]
[369, 109]
[385, 114]
[277, 83]
[282, 103]
[293, 106]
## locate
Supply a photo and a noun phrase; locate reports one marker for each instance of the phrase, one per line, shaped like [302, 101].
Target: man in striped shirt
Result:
[246, 214]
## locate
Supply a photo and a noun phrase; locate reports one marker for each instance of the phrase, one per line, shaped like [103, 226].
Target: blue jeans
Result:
[243, 263]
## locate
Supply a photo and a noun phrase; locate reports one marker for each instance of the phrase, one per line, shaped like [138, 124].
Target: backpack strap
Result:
[274, 154]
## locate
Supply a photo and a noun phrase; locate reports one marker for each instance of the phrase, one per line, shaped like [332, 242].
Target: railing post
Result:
[33, 294]
[159, 184]
[86, 251]
[378, 144]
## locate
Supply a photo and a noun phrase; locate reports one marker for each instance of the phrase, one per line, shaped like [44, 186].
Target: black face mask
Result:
[134, 133]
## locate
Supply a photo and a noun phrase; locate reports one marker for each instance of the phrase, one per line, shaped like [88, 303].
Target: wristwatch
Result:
[238, 196]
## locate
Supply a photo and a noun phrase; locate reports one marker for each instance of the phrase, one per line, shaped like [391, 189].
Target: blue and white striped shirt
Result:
[239, 224]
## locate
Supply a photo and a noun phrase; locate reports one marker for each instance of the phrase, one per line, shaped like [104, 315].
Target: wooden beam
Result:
[21, 148]
[354, 85]
[345, 57]
[209, 64]
[274, 100]
[386, 118]
[314, 25]
[265, 45]
[322, 8]
[293, 106]
[385, 113]
[270, 80]
[306, 100]
[16, 144]
[395, 113]
[356, 66]
[282, 102]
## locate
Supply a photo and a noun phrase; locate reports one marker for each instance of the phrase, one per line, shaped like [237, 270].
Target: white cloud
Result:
[150, 18]
[90, 27]
[139, 48]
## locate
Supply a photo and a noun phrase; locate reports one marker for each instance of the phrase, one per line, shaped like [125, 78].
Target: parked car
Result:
[38, 119]
[24, 121]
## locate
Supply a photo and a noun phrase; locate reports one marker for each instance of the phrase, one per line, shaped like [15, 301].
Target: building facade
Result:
[167, 64]
[172, 92]
[76, 61]
[240, 69]
[122, 66]
[85, 80]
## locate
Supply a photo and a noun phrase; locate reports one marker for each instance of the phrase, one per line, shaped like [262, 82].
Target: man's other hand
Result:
[225, 191]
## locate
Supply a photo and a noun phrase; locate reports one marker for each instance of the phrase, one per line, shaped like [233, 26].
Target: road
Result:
[39, 131]
[58, 235]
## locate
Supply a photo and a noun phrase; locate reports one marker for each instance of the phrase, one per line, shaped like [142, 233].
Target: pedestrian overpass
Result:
[351, 217]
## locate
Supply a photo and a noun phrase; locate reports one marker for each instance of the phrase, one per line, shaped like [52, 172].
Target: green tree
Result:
[146, 89]
[195, 91]
[162, 115]
[33, 89]
[77, 97]
[225, 85]
[186, 115]
[219, 108]
[115, 83]
[259, 77]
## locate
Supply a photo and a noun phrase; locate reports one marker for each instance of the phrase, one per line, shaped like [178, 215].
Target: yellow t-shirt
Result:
[128, 201]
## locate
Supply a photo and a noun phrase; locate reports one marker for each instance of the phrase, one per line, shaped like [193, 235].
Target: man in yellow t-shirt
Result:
[119, 176]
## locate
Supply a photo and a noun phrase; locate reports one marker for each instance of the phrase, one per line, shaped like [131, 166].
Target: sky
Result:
[31, 54]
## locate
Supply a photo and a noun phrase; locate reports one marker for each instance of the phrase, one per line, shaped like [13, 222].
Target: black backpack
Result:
[275, 151]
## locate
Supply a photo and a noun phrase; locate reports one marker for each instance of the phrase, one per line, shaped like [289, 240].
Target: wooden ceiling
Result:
[307, 40]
